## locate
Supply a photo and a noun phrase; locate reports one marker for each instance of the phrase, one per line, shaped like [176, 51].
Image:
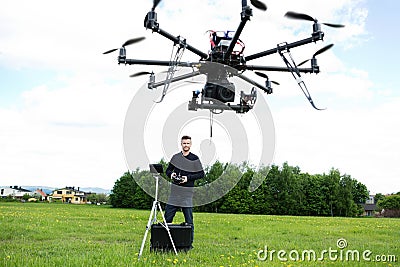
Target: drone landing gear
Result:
[283, 50]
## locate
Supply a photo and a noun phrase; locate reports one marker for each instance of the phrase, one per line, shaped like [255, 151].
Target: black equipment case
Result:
[180, 235]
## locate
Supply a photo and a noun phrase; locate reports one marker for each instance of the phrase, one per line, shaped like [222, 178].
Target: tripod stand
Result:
[153, 213]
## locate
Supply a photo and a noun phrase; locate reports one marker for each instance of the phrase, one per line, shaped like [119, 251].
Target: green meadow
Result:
[43, 234]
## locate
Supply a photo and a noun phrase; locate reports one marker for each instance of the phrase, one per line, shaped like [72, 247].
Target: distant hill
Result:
[96, 190]
[48, 190]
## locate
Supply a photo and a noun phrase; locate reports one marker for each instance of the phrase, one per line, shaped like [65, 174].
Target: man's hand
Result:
[184, 180]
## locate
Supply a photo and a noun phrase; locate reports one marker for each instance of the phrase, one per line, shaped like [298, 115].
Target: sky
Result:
[63, 103]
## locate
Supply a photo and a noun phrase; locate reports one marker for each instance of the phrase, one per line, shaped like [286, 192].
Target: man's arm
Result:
[170, 169]
[196, 175]
[199, 173]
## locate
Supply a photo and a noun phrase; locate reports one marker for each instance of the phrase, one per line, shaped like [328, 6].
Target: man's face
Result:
[186, 144]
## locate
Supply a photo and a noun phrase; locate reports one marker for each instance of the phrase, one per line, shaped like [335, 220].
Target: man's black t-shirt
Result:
[189, 166]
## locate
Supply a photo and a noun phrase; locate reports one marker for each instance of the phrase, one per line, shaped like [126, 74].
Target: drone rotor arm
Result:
[166, 63]
[309, 40]
[245, 16]
[276, 69]
[177, 40]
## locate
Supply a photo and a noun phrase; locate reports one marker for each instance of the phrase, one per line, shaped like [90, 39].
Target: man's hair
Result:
[185, 137]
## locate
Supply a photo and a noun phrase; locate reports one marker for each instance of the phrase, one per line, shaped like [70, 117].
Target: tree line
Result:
[283, 190]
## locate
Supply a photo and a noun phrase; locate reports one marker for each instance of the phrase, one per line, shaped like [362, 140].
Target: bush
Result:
[8, 199]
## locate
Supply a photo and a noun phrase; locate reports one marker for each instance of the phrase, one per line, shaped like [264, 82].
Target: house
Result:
[369, 206]
[39, 194]
[16, 192]
[69, 195]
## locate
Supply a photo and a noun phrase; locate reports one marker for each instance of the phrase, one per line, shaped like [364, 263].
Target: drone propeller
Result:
[133, 41]
[128, 42]
[322, 50]
[194, 82]
[265, 76]
[140, 74]
[258, 4]
[110, 51]
[294, 15]
[155, 4]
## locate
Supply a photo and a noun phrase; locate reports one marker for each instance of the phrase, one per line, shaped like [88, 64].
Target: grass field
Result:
[42, 234]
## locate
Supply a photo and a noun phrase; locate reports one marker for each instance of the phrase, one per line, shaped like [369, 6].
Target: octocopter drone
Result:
[225, 60]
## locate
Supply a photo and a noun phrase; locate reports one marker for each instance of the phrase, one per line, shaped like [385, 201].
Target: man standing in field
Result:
[184, 168]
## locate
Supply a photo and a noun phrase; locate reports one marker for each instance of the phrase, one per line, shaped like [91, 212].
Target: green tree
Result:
[378, 197]
[25, 197]
[260, 195]
[314, 203]
[101, 198]
[391, 205]
[330, 191]
[97, 198]
[390, 202]
[212, 173]
[345, 203]
[360, 192]
[239, 199]
[293, 196]
[269, 190]
[127, 193]
[91, 198]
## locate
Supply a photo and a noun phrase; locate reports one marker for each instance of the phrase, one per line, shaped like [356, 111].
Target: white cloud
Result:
[70, 135]
[359, 141]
